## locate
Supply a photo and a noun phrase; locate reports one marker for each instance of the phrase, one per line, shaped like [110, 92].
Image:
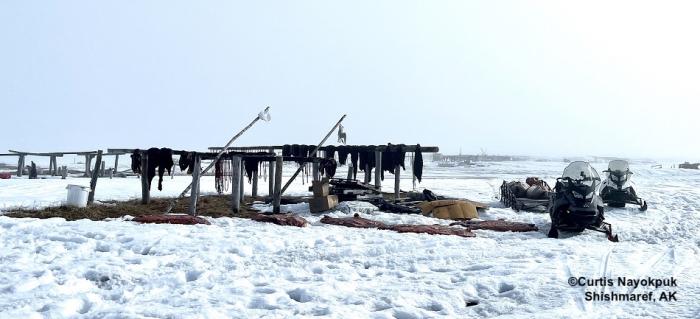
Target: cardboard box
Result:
[320, 204]
[320, 188]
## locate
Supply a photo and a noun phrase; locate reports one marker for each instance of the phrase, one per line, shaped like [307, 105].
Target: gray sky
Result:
[534, 78]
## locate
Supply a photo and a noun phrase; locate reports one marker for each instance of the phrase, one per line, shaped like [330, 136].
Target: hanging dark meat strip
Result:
[251, 167]
[152, 154]
[330, 152]
[165, 163]
[418, 163]
[401, 155]
[136, 161]
[343, 152]
[286, 150]
[354, 157]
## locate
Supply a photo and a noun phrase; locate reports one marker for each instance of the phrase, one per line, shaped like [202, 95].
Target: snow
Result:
[240, 268]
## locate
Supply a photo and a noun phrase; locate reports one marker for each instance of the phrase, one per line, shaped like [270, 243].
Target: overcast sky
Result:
[552, 78]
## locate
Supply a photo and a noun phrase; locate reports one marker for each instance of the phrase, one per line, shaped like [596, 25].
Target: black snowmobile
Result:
[616, 191]
[576, 205]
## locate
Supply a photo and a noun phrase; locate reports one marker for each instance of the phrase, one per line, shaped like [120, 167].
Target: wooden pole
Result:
[277, 197]
[349, 171]
[397, 182]
[289, 182]
[87, 165]
[145, 192]
[236, 184]
[20, 166]
[64, 172]
[378, 170]
[194, 195]
[102, 168]
[51, 167]
[93, 179]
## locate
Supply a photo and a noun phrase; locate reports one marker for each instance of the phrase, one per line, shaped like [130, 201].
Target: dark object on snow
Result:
[347, 190]
[687, 165]
[356, 222]
[418, 163]
[575, 206]
[281, 219]
[616, 191]
[433, 230]
[171, 219]
[497, 225]
[32, 171]
[386, 206]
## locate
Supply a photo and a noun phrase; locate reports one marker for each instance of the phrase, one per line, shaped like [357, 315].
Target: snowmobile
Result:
[575, 205]
[616, 191]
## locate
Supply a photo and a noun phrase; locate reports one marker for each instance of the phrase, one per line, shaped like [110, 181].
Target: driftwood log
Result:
[359, 222]
[355, 222]
[171, 219]
[497, 225]
[433, 230]
[281, 219]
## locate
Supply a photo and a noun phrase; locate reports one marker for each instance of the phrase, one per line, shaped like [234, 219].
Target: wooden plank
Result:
[277, 197]
[236, 184]
[93, 179]
[378, 170]
[194, 192]
[397, 182]
[145, 192]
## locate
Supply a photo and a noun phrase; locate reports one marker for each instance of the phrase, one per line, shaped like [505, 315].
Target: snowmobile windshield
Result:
[618, 166]
[581, 173]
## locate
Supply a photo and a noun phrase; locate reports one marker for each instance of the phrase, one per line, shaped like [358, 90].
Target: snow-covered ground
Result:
[241, 268]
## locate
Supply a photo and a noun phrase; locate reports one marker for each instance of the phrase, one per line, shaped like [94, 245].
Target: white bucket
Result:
[77, 195]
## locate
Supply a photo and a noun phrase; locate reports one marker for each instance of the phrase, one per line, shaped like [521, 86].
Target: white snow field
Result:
[238, 268]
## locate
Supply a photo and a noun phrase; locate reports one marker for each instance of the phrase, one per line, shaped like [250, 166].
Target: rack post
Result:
[277, 197]
[397, 182]
[93, 179]
[236, 184]
[378, 169]
[145, 192]
[194, 192]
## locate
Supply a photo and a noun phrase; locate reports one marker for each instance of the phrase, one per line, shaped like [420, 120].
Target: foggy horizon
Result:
[544, 79]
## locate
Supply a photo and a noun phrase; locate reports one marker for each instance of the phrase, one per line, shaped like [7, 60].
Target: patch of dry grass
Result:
[213, 206]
